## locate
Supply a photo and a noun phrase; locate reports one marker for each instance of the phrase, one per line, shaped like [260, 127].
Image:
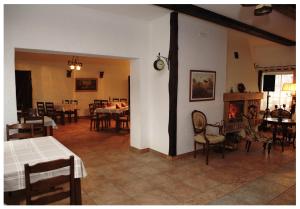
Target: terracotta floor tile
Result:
[119, 176]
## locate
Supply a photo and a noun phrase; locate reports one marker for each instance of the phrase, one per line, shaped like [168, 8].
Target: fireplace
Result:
[235, 111]
[237, 104]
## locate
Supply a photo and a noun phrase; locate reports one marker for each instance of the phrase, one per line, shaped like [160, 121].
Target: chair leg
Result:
[249, 144]
[207, 152]
[269, 147]
[91, 124]
[223, 149]
[264, 146]
[246, 146]
[282, 145]
[203, 148]
[195, 146]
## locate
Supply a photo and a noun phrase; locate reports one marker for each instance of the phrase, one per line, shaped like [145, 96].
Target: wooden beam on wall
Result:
[204, 14]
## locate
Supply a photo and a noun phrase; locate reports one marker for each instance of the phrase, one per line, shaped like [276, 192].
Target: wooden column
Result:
[173, 84]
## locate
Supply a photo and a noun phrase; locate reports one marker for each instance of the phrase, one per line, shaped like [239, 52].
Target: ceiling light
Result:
[74, 64]
[262, 9]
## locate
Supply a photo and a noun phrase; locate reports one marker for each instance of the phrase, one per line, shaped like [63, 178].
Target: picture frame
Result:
[86, 84]
[202, 85]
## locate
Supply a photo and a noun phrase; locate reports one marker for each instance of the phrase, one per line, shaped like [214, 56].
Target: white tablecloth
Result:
[112, 109]
[47, 121]
[35, 150]
[65, 107]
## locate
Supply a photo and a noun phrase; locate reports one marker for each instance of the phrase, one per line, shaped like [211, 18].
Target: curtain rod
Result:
[291, 67]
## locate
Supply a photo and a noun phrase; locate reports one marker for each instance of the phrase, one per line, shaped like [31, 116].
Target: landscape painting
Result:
[202, 85]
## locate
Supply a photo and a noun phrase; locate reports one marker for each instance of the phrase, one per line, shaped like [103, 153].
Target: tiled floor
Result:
[119, 176]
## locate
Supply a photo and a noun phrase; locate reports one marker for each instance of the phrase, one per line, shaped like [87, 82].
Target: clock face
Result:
[159, 64]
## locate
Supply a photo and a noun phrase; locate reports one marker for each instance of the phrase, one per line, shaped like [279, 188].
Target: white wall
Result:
[240, 70]
[202, 46]
[70, 28]
[274, 55]
[158, 83]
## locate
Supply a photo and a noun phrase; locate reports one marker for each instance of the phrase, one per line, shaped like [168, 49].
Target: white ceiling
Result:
[275, 22]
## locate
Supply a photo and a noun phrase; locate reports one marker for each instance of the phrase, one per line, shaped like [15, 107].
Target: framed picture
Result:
[202, 85]
[86, 84]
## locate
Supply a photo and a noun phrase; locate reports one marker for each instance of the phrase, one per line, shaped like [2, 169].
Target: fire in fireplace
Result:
[235, 112]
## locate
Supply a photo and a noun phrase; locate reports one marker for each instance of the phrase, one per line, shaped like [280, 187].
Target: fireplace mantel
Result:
[242, 96]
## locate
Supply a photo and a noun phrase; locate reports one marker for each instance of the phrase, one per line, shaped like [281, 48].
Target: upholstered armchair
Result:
[201, 136]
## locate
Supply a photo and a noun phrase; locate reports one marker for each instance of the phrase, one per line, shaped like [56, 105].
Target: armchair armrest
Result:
[219, 125]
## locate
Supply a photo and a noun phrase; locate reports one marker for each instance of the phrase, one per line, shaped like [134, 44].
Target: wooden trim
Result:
[136, 150]
[242, 96]
[173, 84]
[141, 151]
[210, 16]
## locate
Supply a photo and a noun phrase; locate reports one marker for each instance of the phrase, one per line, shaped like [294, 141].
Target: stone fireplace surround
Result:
[235, 105]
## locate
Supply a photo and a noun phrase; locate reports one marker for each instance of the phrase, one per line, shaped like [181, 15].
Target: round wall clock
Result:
[159, 64]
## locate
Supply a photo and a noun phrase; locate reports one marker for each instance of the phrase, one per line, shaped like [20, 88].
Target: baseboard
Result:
[134, 149]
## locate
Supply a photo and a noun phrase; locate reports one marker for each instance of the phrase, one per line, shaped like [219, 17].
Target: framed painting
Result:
[86, 84]
[202, 85]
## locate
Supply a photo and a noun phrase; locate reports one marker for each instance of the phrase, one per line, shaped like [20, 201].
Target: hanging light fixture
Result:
[262, 9]
[74, 64]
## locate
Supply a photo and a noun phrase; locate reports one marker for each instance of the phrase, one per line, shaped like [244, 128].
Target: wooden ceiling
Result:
[288, 10]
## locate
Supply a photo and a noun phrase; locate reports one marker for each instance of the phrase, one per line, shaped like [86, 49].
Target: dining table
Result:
[17, 153]
[49, 123]
[68, 109]
[283, 122]
[112, 110]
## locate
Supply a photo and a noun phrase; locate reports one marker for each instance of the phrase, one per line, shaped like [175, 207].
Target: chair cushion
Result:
[213, 139]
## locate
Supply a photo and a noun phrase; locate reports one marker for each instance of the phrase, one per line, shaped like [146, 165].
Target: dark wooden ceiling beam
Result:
[201, 13]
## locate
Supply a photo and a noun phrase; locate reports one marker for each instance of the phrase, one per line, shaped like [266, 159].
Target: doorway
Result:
[23, 89]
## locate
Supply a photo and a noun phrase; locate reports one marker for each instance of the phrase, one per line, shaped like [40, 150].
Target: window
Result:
[278, 97]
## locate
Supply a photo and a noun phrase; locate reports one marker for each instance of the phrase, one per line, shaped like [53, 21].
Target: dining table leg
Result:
[117, 122]
[78, 200]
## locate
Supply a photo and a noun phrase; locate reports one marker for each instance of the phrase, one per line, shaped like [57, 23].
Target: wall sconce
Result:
[101, 74]
[159, 63]
[69, 73]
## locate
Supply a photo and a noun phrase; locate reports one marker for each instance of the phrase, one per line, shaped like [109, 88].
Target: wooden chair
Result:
[51, 112]
[38, 125]
[41, 108]
[115, 99]
[123, 100]
[103, 102]
[280, 132]
[201, 137]
[48, 185]
[92, 116]
[253, 134]
[124, 119]
[21, 131]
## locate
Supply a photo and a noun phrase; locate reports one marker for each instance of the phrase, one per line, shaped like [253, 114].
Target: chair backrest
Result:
[75, 101]
[91, 109]
[104, 102]
[199, 122]
[45, 185]
[115, 99]
[97, 101]
[280, 113]
[21, 131]
[49, 108]
[37, 122]
[67, 101]
[40, 108]
[123, 100]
